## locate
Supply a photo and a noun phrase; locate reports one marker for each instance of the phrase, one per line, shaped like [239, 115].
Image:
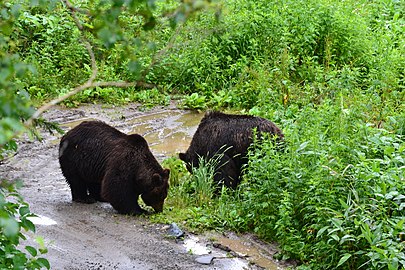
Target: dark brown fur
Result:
[101, 163]
[230, 136]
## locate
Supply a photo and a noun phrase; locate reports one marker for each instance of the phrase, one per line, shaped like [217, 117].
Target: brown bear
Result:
[226, 137]
[100, 163]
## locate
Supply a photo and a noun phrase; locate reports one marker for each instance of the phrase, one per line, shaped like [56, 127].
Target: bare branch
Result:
[78, 89]
[73, 11]
[53, 102]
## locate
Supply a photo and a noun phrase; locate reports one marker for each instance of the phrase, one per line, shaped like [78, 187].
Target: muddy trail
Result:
[81, 236]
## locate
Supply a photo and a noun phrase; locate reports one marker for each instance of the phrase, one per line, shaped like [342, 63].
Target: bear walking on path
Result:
[226, 137]
[101, 163]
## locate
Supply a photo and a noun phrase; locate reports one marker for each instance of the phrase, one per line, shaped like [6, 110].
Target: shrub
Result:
[335, 197]
[14, 217]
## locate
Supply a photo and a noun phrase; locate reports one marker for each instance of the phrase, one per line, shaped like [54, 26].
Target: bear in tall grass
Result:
[100, 163]
[226, 138]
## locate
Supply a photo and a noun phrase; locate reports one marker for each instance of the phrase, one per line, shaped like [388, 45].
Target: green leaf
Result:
[32, 251]
[10, 227]
[321, 231]
[343, 259]
[28, 225]
[24, 210]
[335, 237]
[44, 262]
[302, 146]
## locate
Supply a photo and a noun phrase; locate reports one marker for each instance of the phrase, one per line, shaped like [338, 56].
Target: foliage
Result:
[250, 54]
[192, 197]
[14, 101]
[177, 170]
[199, 185]
[195, 101]
[332, 198]
[289, 52]
[336, 195]
[329, 73]
[49, 36]
[14, 217]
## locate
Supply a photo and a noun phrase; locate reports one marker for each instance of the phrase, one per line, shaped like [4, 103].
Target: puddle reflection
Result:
[72, 124]
[168, 133]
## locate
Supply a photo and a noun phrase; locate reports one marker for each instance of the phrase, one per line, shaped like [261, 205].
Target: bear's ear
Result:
[156, 179]
[183, 156]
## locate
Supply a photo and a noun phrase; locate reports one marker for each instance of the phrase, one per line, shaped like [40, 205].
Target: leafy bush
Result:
[15, 104]
[291, 52]
[332, 198]
[50, 42]
[14, 217]
[335, 198]
[257, 53]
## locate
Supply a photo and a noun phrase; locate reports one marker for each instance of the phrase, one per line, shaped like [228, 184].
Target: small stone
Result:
[175, 231]
[205, 259]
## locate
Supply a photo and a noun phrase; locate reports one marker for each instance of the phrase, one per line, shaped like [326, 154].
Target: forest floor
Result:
[94, 236]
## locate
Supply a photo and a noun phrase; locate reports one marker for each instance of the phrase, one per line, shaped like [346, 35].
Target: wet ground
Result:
[81, 236]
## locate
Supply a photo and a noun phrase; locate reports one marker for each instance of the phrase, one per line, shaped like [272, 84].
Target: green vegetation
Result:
[11, 257]
[330, 73]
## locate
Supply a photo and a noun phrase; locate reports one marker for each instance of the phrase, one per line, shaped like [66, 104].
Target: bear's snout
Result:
[158, 207]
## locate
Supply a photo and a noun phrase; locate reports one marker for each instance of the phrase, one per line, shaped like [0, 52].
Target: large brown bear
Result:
[101, 163]
[227, 138]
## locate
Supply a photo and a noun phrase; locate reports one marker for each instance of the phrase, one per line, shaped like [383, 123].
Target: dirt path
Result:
[94, 236]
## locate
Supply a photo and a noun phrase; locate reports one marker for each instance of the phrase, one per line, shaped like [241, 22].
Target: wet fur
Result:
[101, 163]
[230, 135]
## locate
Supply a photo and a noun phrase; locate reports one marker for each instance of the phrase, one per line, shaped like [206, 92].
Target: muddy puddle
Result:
[249, 249]
[167, 132]
[237, 251]
[94, 236]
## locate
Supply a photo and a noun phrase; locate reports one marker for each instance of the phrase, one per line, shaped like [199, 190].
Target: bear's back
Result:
[217, 129]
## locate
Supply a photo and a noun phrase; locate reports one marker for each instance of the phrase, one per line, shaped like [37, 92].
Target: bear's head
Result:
[155, 197]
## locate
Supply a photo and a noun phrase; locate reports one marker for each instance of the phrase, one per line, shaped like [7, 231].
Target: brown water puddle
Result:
[247, 249]
[168, 132]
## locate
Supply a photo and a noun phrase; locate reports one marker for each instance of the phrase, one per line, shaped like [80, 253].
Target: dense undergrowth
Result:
[333, 198]
[331, 74]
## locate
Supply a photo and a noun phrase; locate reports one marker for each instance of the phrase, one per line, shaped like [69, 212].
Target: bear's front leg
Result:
[118, 189]
[128, 206]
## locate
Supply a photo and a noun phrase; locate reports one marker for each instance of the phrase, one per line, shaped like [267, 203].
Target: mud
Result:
[80, 236]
